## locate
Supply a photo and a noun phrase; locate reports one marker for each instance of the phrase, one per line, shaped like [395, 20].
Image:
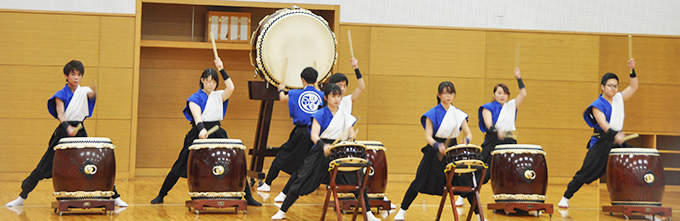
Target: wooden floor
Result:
[585, 205]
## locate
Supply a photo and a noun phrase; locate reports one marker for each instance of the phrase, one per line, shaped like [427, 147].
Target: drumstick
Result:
[212, 38]
[354, 136]
[212, 130]
[285, 65]
[630, 137]
[517, 57]
[80, 126]
[630, 51]
[349, 37]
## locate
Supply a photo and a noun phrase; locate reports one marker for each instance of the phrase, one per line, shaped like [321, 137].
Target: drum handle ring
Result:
[530, 174]
[372, 171]
[90, 169]
[218, 170]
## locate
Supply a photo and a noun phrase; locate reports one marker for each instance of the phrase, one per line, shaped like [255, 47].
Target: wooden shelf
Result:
[669, 151]
[194, 45]
[671, 169]
[244, 4]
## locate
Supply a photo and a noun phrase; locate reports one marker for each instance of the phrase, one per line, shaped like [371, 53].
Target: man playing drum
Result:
[204, 109]
[301, 105]
[342, 81]
[605, 115]
[71, 106]
[328, 124]
[442, 122]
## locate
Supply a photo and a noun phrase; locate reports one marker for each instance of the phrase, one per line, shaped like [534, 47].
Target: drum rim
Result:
[462, 146]
[84, 142]
[525, 146]
[347, 143]
[259, 64]
[634, 150]
[370, 142]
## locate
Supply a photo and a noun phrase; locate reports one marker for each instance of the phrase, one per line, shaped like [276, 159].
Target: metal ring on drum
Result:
[290, 40]
[519, 173]
[635, 177]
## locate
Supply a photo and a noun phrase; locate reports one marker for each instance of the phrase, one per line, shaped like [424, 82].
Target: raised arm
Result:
[282, 95]
[361, 86]
[227, 80]
[93, 86]
[630, 90]
[522, 90]
[196, 112]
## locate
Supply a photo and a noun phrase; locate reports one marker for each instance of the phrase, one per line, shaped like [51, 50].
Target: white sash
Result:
[618, 113]
[340, 123]
[453, 119]
[78, 108]
[346, 104]
[506, 118]
[213, 110]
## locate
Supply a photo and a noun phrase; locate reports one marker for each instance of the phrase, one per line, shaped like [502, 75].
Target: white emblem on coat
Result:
[309, 102]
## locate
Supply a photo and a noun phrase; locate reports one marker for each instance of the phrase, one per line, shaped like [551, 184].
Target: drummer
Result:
[342, 81]
[301, 105]
[605, 115]
[328, 124]
[205, 109]
[497, 120]
[71, 106]
[441, 123]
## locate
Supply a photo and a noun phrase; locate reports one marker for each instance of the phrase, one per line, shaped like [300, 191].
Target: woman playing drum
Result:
[605, 115]
[205, 109]
[328, 124]
[441, 122]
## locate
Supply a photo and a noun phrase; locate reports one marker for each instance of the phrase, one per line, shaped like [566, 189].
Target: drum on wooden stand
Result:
[519, 174]
[635, 177]
[465, 154]
[290, 40]
[84, 168]
[377, 183]
[216, 169]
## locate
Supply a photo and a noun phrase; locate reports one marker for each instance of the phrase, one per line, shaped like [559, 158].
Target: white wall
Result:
[660, 17]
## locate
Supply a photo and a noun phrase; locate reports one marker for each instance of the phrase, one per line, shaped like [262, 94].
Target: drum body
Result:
[463, 152]
[348, 149]
[290, 40]
[519, 174]
[216, 168]
[84, 168]
[635, 177]
[375, 152]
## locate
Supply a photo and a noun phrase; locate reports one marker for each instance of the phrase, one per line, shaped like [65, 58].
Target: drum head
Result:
[84, 142]
[372, 145]
[634, 151]
[463, 146]
[291, 40]
[217, 143]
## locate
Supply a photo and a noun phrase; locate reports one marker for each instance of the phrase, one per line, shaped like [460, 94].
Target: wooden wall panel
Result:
[653, 108]
[543, 56]
[427, 52]
[24, 90]
[49, 39]
[159, 145]
[117, 41]
[114, 98]
[656, 58]
[119, 133]
[24, 141]
[565, 148]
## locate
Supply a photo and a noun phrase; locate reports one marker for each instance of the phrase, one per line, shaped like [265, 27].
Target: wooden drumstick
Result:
[212, 39]
[630, 51]
[351, 49]
[285, 65]
[80, 126]
[517, 57]
[212, 130]
[632, 136]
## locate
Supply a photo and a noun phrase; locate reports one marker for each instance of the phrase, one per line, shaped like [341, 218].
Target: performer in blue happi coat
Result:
[605, 115]
[70, 106]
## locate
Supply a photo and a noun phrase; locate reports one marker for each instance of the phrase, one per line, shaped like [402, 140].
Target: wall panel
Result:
[117, 41]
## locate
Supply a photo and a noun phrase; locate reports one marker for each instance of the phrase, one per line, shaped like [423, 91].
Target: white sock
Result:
[264, 188]
[279, 198]
[400, 215]
[17, 202]
[279, 215]
[371, 217]
[460, 201]
[120, 202]
[564, 203]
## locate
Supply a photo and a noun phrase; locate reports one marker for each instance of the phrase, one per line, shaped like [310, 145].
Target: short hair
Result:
[445, 85]
[309, 74]
[501, 85]
[338, 77]
[74, 65]
[608, 76]
[332, 89]
[209, 72]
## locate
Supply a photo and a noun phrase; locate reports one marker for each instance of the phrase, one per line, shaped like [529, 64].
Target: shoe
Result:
[564, 203]
[279, 215]
[392, 206]
[157, 200]
[479, 217]
[371, 217]
[460, 201]
[264, 188]
[17, 202]
[120, 202]
[400, 215]
[279, 198]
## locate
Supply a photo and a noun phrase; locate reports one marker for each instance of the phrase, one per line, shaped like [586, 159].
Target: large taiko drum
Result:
[377, 183]
[84, 168]
[519, 174]
[290, 40]
[635, 177]
[216, 169]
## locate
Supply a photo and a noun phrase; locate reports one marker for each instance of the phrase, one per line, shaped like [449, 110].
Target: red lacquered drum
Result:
[519, 174]
[84, 168]
[375, 152]
[635, 177]
[216, 169]
[290, 40]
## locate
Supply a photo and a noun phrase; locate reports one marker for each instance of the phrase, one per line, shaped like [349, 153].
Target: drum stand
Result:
[200, 205]
[379, 203]
[475, 188]
[513, 207]
[260, 90]
[334, 188]
[65, 205]
[646, 210]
